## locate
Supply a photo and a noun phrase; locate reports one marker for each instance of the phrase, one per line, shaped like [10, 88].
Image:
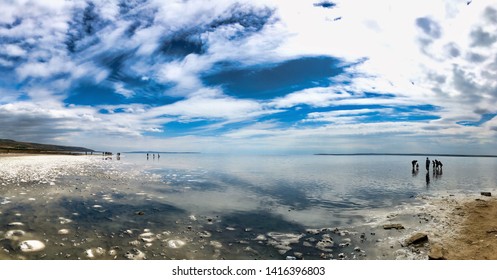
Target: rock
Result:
[417, 238]
[486, 193]
[290, 258]
[436, 252]
[393, 226]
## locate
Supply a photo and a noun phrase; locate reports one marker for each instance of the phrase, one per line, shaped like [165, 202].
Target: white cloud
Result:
[211, 104]
[13, 50]
[122, 90]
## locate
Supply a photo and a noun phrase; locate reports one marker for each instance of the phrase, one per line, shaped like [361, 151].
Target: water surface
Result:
[205, 206]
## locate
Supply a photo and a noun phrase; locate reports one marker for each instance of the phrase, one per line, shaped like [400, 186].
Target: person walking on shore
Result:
[427, 164]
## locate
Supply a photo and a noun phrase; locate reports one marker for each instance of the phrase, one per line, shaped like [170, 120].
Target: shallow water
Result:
[196, 206]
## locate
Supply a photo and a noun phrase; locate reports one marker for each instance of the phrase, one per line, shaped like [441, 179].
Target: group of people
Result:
[153, 156]
[437, 169]
[437, 165]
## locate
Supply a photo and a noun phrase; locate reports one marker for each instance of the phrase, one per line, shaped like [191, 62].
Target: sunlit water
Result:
[200, 206]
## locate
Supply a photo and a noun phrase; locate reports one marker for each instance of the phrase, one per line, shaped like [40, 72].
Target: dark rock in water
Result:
[416, 239]
[436, 252]
[140, 213]
[393, 226]
[486, 193]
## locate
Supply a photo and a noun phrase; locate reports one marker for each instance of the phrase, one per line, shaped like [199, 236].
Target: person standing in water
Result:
[427, 164]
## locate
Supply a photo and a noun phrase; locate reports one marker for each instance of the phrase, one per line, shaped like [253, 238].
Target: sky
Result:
[258, 76]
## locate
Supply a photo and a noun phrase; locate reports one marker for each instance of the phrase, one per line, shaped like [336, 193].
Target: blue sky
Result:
[251, 76]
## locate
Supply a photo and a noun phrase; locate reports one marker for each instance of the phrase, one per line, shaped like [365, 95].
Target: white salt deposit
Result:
[260, 237]
[63, 220]
[28, 246]
[14, 234]
[135, 254]
[282, 241]
[204, 234]
[175, 243]
[216, 244]
[148, 237]
[94, 252]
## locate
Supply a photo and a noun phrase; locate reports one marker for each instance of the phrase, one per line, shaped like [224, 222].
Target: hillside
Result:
[11, 146]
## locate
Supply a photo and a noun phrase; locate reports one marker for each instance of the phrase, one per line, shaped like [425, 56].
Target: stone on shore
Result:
[393, 226]
[416, 239]
[436, 252]
[486, 193]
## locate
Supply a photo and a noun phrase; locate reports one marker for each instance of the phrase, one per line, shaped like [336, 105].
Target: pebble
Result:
[63, 231]
[14, 224]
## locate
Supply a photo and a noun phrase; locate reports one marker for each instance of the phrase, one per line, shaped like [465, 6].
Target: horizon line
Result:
[403, 154]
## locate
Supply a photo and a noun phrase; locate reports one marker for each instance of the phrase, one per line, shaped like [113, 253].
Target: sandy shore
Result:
[475, 233]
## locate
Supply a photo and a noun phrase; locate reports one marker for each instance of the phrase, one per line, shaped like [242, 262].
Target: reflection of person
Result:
[427, 164]
[427, 178]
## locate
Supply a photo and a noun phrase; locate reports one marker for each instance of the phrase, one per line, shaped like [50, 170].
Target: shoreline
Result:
[459, 227]
[20, 154]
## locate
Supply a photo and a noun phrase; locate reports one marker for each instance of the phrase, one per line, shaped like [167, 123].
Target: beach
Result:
[476, 230]
[85, 207]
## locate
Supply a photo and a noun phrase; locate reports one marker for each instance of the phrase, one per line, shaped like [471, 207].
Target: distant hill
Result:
[11, 146]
